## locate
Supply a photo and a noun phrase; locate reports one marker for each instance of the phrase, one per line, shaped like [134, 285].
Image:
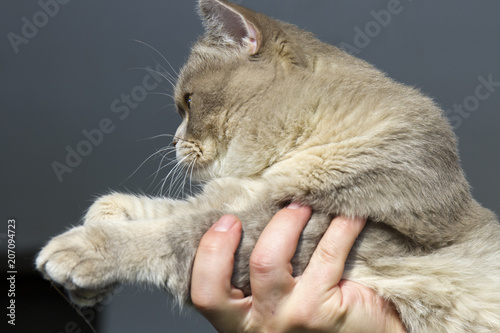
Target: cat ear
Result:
[230, 23]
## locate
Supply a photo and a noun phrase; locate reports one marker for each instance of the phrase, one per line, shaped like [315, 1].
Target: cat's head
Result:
[240, 91]
[255, 91]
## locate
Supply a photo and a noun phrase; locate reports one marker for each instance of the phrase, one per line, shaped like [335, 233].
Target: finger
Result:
[270, 267]
[326, 266]
[211, 286]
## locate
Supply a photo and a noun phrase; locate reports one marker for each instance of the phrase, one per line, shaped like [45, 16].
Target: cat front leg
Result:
[132, 239]
[90, 260]
[82, 259]
[127, 207]
[224, 193]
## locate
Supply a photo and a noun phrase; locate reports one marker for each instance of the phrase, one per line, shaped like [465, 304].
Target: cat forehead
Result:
[205, 52]
[207, 63]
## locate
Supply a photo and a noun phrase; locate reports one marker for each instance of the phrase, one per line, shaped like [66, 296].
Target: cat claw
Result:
[90, 297]
[74, 262]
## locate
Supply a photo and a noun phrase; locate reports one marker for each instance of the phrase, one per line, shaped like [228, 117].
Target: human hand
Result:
[317, 301]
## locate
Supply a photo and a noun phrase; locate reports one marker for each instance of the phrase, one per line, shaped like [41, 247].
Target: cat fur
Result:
[272, 115]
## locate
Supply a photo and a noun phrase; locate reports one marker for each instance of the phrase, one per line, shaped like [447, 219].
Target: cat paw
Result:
[109, 208]
[77, 260]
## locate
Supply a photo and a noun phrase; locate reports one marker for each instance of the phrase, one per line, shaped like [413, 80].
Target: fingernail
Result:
[360, 221]
[294, 205]
[225, 223]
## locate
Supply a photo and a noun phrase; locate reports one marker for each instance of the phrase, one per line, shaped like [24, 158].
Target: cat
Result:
[271, 115]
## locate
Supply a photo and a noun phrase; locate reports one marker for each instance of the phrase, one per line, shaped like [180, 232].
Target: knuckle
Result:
[211, 244]
[262, 262]
[209, 248]
[204, 303]
[331, 249]
[328, 253]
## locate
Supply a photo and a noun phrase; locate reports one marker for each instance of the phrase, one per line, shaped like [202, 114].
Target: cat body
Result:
[272, 115]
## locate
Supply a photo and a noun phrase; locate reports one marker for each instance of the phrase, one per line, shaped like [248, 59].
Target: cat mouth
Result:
[188, 152]
[196, 159]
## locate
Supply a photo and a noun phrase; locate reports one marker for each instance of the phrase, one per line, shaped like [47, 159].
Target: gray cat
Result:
[272, 115]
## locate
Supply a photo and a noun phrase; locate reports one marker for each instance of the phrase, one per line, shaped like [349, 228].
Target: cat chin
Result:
[203, 174]
[206, 174]
[216, 169]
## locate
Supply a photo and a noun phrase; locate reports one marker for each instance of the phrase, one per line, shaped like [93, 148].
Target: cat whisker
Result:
[173, 78]
[161, 136]
[186, 173]
[160, 93]
[148, 158]
[177, 184]
[161, 166]
[184, 190]
[162, 153]
[164, 107]
[167, 135]
[139, 167]
[167, 76]
[191, 177]
[157, 52]
[172, 173]
[156, 137]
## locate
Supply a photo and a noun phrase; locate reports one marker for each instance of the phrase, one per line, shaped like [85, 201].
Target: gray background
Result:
[65, 78]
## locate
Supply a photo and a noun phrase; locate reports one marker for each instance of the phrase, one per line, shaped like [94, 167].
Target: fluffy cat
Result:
[270, 115]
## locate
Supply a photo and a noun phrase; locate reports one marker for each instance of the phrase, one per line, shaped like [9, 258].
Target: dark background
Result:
[64, 78]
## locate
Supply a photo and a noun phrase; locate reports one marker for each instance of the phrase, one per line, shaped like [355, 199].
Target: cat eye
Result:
[187, 100]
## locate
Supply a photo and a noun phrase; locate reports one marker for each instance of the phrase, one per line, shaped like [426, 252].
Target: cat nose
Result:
[174, 142]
